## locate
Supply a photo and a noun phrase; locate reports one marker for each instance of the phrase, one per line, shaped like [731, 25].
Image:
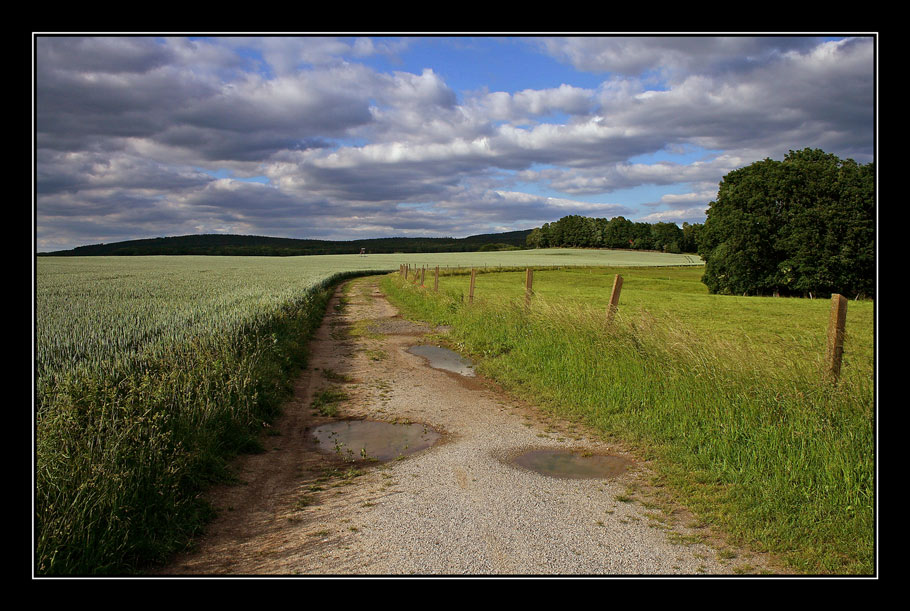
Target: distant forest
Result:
[220, 244]
[618, 232]
[568, 232]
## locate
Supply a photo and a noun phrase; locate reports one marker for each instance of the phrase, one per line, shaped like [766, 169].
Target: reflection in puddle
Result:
[443, 358]
[571, 465]
[372, 440]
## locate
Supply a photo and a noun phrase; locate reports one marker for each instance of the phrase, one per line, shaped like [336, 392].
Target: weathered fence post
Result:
[471, 292]
[423, 272]
[529, 282]
[436, 280]
[836, 324]
[614, 298]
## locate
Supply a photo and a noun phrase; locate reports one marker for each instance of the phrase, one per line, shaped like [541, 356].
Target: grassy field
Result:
[676, 294]
[725, 394]
[152, 372]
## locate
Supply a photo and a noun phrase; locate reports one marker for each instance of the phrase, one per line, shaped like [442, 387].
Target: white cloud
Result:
[669, 57]
[529, 104]
[136, 120]
[695, 214]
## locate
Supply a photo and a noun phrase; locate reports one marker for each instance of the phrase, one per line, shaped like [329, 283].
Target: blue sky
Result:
[358, 137]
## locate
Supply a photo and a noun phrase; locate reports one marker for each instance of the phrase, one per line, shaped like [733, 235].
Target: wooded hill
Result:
[219, 244]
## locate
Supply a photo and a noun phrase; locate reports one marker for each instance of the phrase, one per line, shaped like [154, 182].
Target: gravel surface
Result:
[458, 508]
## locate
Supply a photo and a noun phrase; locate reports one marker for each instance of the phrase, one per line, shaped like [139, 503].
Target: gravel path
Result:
[460, 507]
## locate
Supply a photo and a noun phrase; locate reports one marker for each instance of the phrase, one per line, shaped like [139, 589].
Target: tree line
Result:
[576, 231]
[243, 245]
[802, 226]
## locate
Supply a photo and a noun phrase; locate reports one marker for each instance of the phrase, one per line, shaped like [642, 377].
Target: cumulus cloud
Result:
[820, 96]
[531, 104]
[672, 57]
[142, 135]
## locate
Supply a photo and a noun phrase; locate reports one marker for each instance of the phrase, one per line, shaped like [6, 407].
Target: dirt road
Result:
[459, 507]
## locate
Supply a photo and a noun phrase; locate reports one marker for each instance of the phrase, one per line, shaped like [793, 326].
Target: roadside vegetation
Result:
[151, 374]
[726, 394]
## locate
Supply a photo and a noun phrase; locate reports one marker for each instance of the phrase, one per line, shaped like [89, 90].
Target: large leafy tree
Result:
[804, 224]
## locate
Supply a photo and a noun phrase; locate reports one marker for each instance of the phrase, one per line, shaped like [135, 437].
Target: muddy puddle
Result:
[572, 465]
[443, 358]
[355, 440]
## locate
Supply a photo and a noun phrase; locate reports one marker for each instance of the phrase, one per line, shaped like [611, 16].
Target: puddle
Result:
[443, 358]
[372, 440]
[398, 326]
[572, 465]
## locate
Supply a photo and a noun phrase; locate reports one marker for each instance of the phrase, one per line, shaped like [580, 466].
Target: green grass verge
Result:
[725, 394]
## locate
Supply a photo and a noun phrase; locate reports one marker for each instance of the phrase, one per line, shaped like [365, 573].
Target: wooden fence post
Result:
[836, 323]
[423, 272]
[471, 293]
[529, 282]
[436, 280]
[614, 298]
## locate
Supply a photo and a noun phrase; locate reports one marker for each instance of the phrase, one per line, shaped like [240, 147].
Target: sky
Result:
[350, 137]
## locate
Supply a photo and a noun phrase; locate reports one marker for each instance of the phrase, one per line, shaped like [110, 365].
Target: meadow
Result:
[152, 372]
[725, 395]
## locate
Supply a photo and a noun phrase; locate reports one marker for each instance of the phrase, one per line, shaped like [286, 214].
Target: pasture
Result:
[677, 296]
[726, 395]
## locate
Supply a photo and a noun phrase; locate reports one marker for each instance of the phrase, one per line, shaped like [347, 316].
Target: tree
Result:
[804, 224]
[690, 235]
[574, 230]
[539, 237]
[641, 236]
[618, 233]
[666, 237]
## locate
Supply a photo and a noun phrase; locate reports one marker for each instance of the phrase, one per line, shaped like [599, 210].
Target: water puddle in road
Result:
[356, 440]
[443, 358]
[572, 465]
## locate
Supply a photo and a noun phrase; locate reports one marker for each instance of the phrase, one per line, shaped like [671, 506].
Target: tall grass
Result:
[742, 425]
[150, 375]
